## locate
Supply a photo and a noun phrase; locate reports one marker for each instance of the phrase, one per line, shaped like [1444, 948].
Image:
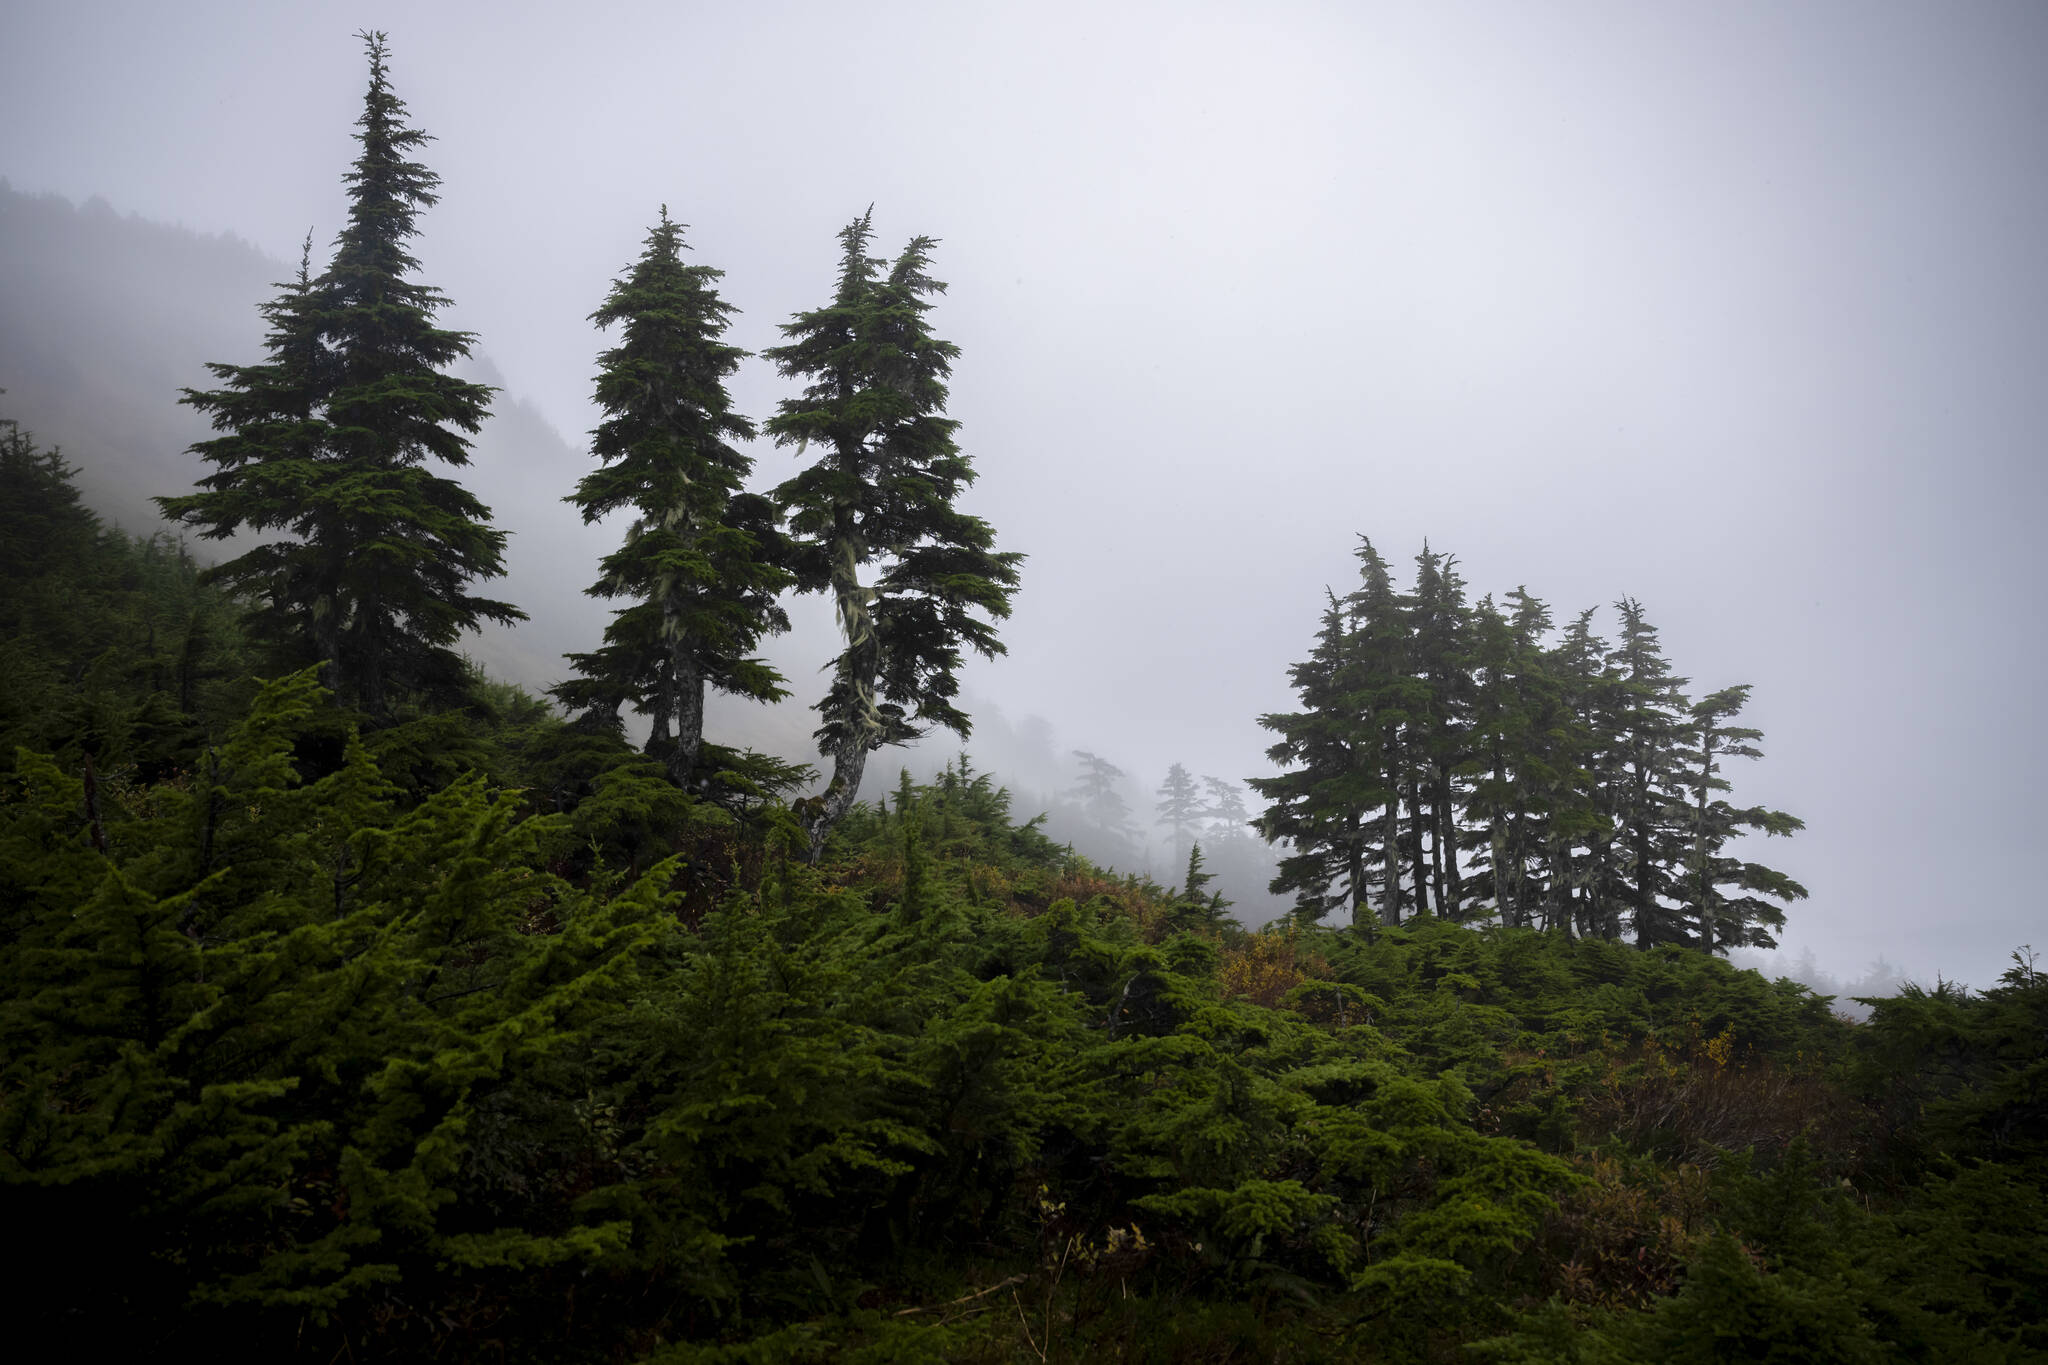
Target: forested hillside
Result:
[357, 1004]
[104, 314]
[473, 1036]
[105, 317]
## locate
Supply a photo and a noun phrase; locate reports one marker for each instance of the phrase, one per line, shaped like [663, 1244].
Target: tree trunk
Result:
[857, 730]
[1510, 910]
[1418, 856]
[1509, 916]
[1639, 840]
[1518, 860]
[1446, 845]
[1706, 890]
[1391, 856]
[682, 694]
[1361, 915]
[689, 703]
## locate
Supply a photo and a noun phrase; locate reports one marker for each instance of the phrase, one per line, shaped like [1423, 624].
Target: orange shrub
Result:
[1264, 966]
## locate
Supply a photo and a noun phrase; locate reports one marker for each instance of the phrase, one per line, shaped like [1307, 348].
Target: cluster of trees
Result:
[332, 439]
[320, 1040]
[1102, 813]
[422, 1022]
[1453, 759]
[1213, 809]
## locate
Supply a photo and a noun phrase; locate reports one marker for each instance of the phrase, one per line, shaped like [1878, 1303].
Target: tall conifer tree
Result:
[330, 441]
[1441, 623]
[1579, 825]
[873, 522]
[271, 465]
[1229, 821]
[1178, 806]
[1099, 792]
[700, 562]
[1331, 782]
[1392, 700]
[1648, 799]
[1346, 755]
[1744, 919]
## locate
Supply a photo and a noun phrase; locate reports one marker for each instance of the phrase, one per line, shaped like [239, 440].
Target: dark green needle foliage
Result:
[330, 441]
[1469, 760]
[701, 564]
[1332, 781]
[1754, 909]
[1348, 757]
[915, 581]
[297, 1065]
[113, 651]
[1648, 797]
[436, 1027]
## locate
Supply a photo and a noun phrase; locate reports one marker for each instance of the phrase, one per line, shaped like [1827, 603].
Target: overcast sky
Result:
[1739, 309]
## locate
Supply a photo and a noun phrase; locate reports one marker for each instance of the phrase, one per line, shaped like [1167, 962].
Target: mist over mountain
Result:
[105, 317]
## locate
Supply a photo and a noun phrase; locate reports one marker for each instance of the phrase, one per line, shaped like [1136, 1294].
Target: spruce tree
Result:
[1332, 780]
[1393, 699]
[1511, 712]
[1649, 801]
[1179, 806]
[1579, 828]
[330, 439]
[699, 564]
[873, 521]
[1440, 624]
[1226, 813]
[1745, 919]
[1099, 797]
[1496, 731]
[1349, 755]
[273, 470]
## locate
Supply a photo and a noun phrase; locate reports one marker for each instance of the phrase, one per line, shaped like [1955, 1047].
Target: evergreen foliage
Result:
[113, 650]
[1449, 760]
[1097, 789]
[1719, 918]
[300, 1061]
[329, 440]
[474, 1034]
[1652, 722]
[879, 502]
[701, 562]
[1179, 806]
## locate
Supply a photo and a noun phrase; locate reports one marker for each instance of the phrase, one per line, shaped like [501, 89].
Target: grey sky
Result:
[1739, 309]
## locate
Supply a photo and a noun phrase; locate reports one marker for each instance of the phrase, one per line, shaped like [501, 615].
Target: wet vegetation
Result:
[465, 1032]
[355, 1006]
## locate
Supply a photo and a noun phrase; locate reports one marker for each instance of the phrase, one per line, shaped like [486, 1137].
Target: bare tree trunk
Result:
[849, 762]
[689, 710]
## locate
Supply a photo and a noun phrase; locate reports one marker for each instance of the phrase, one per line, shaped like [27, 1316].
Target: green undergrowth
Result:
[467, 1035]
